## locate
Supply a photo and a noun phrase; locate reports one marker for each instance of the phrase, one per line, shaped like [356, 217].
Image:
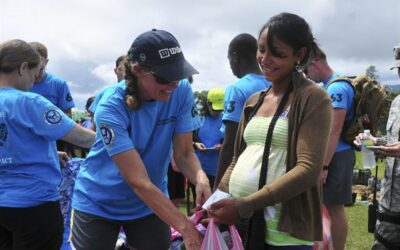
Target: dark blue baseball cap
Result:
[160, 52]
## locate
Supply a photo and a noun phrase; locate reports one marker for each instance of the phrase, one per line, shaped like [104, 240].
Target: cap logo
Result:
[142, 57]
[167, 52]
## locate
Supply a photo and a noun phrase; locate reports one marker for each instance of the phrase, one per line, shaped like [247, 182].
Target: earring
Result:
[298, 67]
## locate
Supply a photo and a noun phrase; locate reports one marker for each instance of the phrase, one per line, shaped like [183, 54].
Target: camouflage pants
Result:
[387, 235]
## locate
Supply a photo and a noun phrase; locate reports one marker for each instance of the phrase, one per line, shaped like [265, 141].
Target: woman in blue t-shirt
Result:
[208, 138]
[123, 181]
[30, 216]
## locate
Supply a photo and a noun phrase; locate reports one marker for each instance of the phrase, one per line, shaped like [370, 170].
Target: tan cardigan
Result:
[299, 190]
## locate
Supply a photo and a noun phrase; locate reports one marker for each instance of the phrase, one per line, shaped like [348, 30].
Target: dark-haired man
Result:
[242, 59]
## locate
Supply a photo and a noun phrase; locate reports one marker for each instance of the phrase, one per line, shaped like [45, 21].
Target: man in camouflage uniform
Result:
[387, 232]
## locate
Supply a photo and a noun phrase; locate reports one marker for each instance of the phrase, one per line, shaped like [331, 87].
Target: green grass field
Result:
[358, 237]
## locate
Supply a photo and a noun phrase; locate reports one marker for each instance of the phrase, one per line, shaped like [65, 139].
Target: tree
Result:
[372, 72]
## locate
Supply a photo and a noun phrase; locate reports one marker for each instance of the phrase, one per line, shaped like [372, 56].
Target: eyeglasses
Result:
[159, 79]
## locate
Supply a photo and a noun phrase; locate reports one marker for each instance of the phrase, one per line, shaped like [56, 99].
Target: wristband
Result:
[325, 167]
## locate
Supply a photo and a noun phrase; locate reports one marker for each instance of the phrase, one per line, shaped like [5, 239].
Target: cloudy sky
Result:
[84, 37]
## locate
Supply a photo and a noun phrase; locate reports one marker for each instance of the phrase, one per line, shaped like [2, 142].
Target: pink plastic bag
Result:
[213, 240]
[326, 243]
[195, 219]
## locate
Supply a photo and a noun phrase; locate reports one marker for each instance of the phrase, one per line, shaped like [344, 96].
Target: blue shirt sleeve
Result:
[233, 104]
[111, 119]
[65, 98]
[96, 100]
[187, 119]
[44, 118]
[341, 95]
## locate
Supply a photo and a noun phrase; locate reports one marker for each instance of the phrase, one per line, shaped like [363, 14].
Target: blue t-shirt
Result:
[210, 135]
[100, 94]
[54, 89]
[29, 165]
[342, 97]
[100, 189]
[237, 94]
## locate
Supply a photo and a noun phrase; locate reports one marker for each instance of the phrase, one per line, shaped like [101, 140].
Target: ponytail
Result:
[132, 94]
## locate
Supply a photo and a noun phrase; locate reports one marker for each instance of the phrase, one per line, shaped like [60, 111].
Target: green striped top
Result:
[245, 175]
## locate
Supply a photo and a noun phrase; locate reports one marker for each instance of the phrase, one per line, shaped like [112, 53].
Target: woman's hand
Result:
[203, 191]
[224, 212]
[324, 175]
[200, 146]
[63, 157]
[192, 238]
[360, 136]
[217, 147]
[391, 150]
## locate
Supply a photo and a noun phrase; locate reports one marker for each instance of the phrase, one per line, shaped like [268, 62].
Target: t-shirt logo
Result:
[194, 111]
[231, 107]
[3, 134]
[108, 135]
[53, 117]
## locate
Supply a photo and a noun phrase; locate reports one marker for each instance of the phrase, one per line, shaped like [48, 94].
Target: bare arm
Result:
[133, 170]
[80, 136]
[188, 163]
[391, 150]
[226, 153]
[335, 133]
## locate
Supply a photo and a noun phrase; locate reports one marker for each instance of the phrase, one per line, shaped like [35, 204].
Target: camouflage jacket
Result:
[390, 192]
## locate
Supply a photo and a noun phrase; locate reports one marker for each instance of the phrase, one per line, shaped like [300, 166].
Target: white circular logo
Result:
[108, 134]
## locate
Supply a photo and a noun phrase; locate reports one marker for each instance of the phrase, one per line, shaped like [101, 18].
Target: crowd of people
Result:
[273, 141]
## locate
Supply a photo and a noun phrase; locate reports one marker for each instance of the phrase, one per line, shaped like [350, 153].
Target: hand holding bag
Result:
[213, 240]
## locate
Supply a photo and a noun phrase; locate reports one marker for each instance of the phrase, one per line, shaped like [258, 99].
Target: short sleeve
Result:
[340, 94]
[111, 119]
[187, 118]
[233, 104]
[44, 118]
[65, 98]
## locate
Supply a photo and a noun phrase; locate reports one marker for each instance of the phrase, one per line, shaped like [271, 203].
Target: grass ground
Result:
[358, 236]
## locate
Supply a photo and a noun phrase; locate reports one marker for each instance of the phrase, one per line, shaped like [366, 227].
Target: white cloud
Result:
[85, 37]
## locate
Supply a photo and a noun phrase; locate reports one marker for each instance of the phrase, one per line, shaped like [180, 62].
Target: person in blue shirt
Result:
[30, 216]
[123, 181]
[208, 138]
[53, 88]
[340, 157]
[119, 71]
[242, 59]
